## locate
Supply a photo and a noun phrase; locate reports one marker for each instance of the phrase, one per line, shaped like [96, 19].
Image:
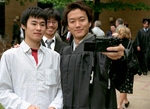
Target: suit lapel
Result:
[42, 42]
[57, 45]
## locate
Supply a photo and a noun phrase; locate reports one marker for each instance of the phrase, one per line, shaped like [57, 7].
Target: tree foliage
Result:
[57, 3]
[116, 5]
[112, 5]
[20, 1]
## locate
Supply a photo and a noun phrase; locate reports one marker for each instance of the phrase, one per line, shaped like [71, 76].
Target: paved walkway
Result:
[140, 99]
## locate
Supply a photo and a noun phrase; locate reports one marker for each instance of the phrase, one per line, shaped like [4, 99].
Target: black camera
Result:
[101, 44]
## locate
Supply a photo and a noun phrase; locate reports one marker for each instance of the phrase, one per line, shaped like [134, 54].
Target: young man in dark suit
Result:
[51, 38]
[141, 45]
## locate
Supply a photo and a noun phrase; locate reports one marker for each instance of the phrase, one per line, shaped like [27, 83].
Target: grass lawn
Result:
[1, 107]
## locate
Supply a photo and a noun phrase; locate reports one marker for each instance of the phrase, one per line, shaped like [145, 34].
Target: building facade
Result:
[134, 18]
[13, 10]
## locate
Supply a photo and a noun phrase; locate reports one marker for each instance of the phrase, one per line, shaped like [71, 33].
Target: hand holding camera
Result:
[110, 46]
[101, 44]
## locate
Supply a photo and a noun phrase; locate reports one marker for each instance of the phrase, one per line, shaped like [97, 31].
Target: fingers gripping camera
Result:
[101, 44]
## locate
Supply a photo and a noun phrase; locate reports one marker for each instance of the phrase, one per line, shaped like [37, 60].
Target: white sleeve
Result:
[58, 101]
[7, 96]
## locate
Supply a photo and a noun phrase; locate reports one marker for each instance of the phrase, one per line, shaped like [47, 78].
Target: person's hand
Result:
[33, 107]
[115, 55]
[138, 48]
[16, 46]
[51, 108]
[115, 34]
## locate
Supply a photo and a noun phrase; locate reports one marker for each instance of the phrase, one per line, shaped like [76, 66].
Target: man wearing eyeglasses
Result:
[51, 38]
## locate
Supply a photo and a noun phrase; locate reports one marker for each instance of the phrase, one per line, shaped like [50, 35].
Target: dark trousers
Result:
[142, 61]
[147, 55]
[14, 38]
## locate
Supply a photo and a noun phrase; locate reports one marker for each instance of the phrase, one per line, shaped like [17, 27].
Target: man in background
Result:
[97, 30]
[119, 23]
[111, 31]
[142, 46]
[51, 38]
[16, 33]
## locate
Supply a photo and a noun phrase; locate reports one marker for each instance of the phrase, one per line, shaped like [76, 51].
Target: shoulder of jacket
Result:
[66, 50]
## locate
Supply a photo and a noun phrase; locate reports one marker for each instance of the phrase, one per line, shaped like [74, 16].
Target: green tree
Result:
[112, 5]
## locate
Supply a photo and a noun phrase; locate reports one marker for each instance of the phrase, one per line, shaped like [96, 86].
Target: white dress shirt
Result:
[52, 45]
[98, 32]
[145, 29]
[23, 83]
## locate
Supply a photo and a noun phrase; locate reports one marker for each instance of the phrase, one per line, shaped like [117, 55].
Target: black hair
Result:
[36, 12]
[53, 13]
[145, 21]
[79, 5]
[113, 25]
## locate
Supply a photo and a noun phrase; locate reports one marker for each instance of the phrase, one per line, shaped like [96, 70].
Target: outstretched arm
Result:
[119, 52]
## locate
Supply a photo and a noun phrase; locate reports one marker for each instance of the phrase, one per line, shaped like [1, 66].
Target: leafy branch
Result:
[111, 5]
[116, 5]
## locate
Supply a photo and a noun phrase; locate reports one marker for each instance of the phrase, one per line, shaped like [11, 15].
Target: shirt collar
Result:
[89, 35]
[145, 29]
[26, 47]
[45, 38]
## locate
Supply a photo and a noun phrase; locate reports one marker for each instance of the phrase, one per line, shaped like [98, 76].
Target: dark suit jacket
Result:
[58, 45]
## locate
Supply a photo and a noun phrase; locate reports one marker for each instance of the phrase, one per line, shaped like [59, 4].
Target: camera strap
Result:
[129, 44]
[93, 70]
[93, 64]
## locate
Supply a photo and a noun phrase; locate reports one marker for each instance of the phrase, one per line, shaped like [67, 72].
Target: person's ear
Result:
[90, 24]
[68, 28]
[23, 27]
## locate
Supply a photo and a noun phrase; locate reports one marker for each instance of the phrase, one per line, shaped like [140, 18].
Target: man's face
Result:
[52, 26]
[78, 23]
[34, 30]
[146, 25]
[117, 24]
[112, 28]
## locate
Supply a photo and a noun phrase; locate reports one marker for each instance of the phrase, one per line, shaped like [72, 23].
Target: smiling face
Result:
[78, 24]
[112, 28]
[34, 30]
[52, 26]
[146, 25]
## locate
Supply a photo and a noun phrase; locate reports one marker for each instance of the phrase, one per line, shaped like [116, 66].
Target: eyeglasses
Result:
[52, 22]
